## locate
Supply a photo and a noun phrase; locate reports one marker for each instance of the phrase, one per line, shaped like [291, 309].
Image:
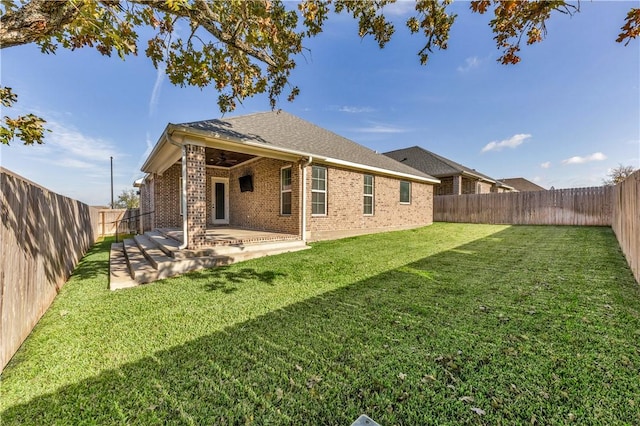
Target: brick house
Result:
[273, 171]
[455, 179]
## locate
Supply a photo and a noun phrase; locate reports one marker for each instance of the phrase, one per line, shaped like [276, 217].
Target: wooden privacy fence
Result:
[577, 206]
[127, 221]
[626, 220]
[43, 237]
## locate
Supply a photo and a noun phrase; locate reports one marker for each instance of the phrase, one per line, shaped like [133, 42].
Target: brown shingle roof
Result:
[522, 184]
[432, 163]
[279, 129]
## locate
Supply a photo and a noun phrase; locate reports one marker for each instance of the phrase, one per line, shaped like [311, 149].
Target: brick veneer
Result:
[146, 204]
[445, 187]
[484, 187]
[196, 196]
[260, 209]
[345, 198]
[167, 198]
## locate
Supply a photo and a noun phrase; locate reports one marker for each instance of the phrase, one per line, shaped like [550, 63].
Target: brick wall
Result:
[167, 198]
[468, 186]
[345, 198]
[484, 187]
[445, 187]
[260, 209]
[196, 196]
[147, 204]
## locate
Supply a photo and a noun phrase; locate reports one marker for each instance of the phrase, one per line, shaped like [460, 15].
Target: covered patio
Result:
[230, 235]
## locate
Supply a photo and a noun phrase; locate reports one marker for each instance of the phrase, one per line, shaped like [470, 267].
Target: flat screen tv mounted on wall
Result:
[246, 183]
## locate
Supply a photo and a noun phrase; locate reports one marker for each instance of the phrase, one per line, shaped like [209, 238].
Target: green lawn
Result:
[449, 324]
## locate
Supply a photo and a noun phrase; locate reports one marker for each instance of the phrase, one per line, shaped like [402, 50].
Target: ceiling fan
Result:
[223, 160]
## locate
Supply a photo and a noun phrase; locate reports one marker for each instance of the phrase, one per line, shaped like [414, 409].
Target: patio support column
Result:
[457, 185]
[196, 196]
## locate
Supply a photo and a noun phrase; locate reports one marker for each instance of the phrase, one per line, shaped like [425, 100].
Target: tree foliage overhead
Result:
[618, 174]
[244, 47]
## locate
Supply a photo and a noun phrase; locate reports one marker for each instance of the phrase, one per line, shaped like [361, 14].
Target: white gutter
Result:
[464, 172]
[183, 202]
[380, 170]
[304, 198]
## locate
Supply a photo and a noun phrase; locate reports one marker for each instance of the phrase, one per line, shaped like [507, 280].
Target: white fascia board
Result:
[357, 166]
[477, 176]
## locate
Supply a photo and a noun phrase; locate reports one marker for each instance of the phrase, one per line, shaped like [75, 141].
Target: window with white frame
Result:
[368, 195]
[285, 190]
[318, 191]
[405, 192]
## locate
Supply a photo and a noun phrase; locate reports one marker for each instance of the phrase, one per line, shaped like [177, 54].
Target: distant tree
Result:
[128, 199]
[244, 48]
[618, 174]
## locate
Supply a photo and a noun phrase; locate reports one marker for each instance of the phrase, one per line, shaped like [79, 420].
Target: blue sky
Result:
[563, 117]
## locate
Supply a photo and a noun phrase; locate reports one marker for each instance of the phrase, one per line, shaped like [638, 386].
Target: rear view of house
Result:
[273, 171]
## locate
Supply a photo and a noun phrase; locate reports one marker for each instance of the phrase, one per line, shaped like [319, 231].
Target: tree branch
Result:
[36, 20]
[201, 14]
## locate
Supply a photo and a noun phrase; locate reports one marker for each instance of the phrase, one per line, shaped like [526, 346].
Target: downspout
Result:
[183, 202]
[304, 198]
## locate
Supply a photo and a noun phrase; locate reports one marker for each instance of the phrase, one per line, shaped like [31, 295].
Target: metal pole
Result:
[111, 182]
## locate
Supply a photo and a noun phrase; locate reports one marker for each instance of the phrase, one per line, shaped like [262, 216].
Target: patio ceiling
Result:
[223, 158]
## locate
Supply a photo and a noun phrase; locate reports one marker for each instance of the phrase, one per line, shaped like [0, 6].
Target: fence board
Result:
[576, 206]
[626, 220]
[43, 236]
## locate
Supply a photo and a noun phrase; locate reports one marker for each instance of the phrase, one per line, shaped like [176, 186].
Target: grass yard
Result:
[448, 324]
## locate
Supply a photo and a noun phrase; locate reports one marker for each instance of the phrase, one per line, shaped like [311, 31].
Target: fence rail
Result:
[118, 221]
[576, 206]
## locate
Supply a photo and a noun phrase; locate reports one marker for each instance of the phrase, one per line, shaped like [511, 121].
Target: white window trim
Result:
[282, 191]
[372, 195]
[405, 202]
[326, 179]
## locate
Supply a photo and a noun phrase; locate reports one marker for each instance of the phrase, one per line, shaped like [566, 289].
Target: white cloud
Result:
[157, 87]
[512, 142]
[470, 63]
[596, 156]
[70, 163]
[546, 165]
[69, 143]
[354, 109]
[400, 8]
[74, 163]
[378, 128]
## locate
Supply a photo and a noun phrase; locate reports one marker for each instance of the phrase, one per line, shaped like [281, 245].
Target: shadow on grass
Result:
[90, 267]
[440, 340]
[228, 279]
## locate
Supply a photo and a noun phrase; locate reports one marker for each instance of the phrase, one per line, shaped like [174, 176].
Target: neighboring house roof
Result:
[522, 184]
[434, 164]
[501, 184]
[283, 132]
